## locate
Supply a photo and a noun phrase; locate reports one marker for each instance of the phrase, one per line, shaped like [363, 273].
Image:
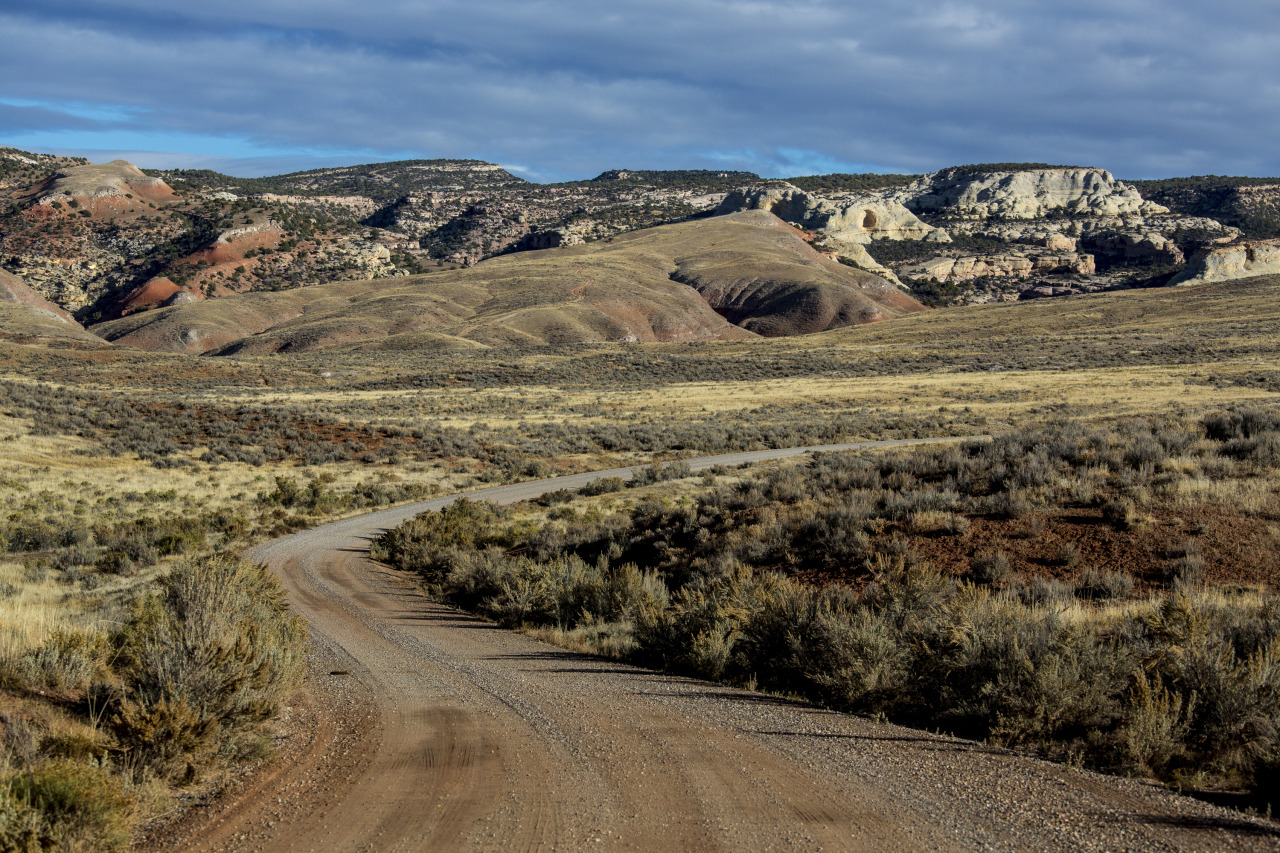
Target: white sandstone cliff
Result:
[1225, 263]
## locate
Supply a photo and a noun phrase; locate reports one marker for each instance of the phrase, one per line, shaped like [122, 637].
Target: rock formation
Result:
[1006, 265]
[1225, 263]
[964, 193]
[1144, 245]
[857, 255]
[849, 219]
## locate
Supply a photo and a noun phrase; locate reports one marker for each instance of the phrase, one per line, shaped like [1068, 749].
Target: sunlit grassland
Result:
[985, 369]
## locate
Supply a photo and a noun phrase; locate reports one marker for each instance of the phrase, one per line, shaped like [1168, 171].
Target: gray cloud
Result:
[569, 88]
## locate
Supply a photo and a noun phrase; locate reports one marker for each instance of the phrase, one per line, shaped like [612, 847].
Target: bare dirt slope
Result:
[31, 325]
[433, 730]
[750, 267]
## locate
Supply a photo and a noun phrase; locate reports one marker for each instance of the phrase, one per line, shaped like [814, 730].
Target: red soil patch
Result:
[1238, 549]
[221, 259]
[153, 293]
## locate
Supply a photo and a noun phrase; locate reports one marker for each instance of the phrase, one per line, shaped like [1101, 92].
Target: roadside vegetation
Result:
[184, 681]
[1047, 590]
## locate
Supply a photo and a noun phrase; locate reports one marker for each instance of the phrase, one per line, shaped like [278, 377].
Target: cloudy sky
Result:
[564, 89]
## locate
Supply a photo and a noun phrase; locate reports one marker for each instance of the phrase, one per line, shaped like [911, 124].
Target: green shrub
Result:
[1067, 554]
[1000, 669]
[603, 486]
[660, 472]
[425, 543]
[66, 661]
[1155, 727]
[211, 656]
[1122, 514]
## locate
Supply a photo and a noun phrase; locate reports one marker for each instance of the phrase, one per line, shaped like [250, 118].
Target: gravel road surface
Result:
[423, 728]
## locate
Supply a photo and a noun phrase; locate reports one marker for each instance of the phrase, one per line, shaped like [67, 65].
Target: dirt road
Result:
[427, 729]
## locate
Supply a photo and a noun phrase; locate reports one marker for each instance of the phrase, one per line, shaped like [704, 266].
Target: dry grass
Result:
[557, 409]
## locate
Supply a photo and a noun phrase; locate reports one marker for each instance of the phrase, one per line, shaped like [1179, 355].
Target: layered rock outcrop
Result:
[1010, 265]
[964, 193]
[1261, 257]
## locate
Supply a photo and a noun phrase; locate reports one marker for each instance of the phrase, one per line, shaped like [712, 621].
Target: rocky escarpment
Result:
[106, 240]
[853, 218]
[843, 226]
[964, 193]
[1249, 204]
[1018, 266]
[1042, 230]
[1225, 263]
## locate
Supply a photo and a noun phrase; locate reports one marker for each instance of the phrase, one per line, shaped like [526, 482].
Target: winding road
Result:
[424, 728]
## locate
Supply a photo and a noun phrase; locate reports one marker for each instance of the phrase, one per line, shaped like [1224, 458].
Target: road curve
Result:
[428, 729]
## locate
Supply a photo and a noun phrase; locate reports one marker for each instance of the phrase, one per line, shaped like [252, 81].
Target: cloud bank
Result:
[570, 88]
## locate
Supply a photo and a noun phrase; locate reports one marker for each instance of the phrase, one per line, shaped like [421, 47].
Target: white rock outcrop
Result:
[857, 254]
[850, 219]
[1010, 265]
[1224, 263]
[1032, 194]
[233, 234]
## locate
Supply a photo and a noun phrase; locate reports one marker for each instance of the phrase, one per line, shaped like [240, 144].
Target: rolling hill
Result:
[723, 278]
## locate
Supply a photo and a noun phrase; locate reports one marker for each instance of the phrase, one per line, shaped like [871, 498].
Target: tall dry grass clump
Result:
[187, 680]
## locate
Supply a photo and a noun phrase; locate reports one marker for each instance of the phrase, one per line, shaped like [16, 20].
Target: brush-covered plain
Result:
[1123, 522]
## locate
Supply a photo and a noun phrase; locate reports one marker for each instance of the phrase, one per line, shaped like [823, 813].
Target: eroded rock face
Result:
[14, 289]
[1035, 194]
[1144, 245]
[1261, 257]
[1003, 265]
[851, 219]
[857, 254]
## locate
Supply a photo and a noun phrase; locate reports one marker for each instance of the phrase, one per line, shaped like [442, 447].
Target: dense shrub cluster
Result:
[843, 508]
[156, 431]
